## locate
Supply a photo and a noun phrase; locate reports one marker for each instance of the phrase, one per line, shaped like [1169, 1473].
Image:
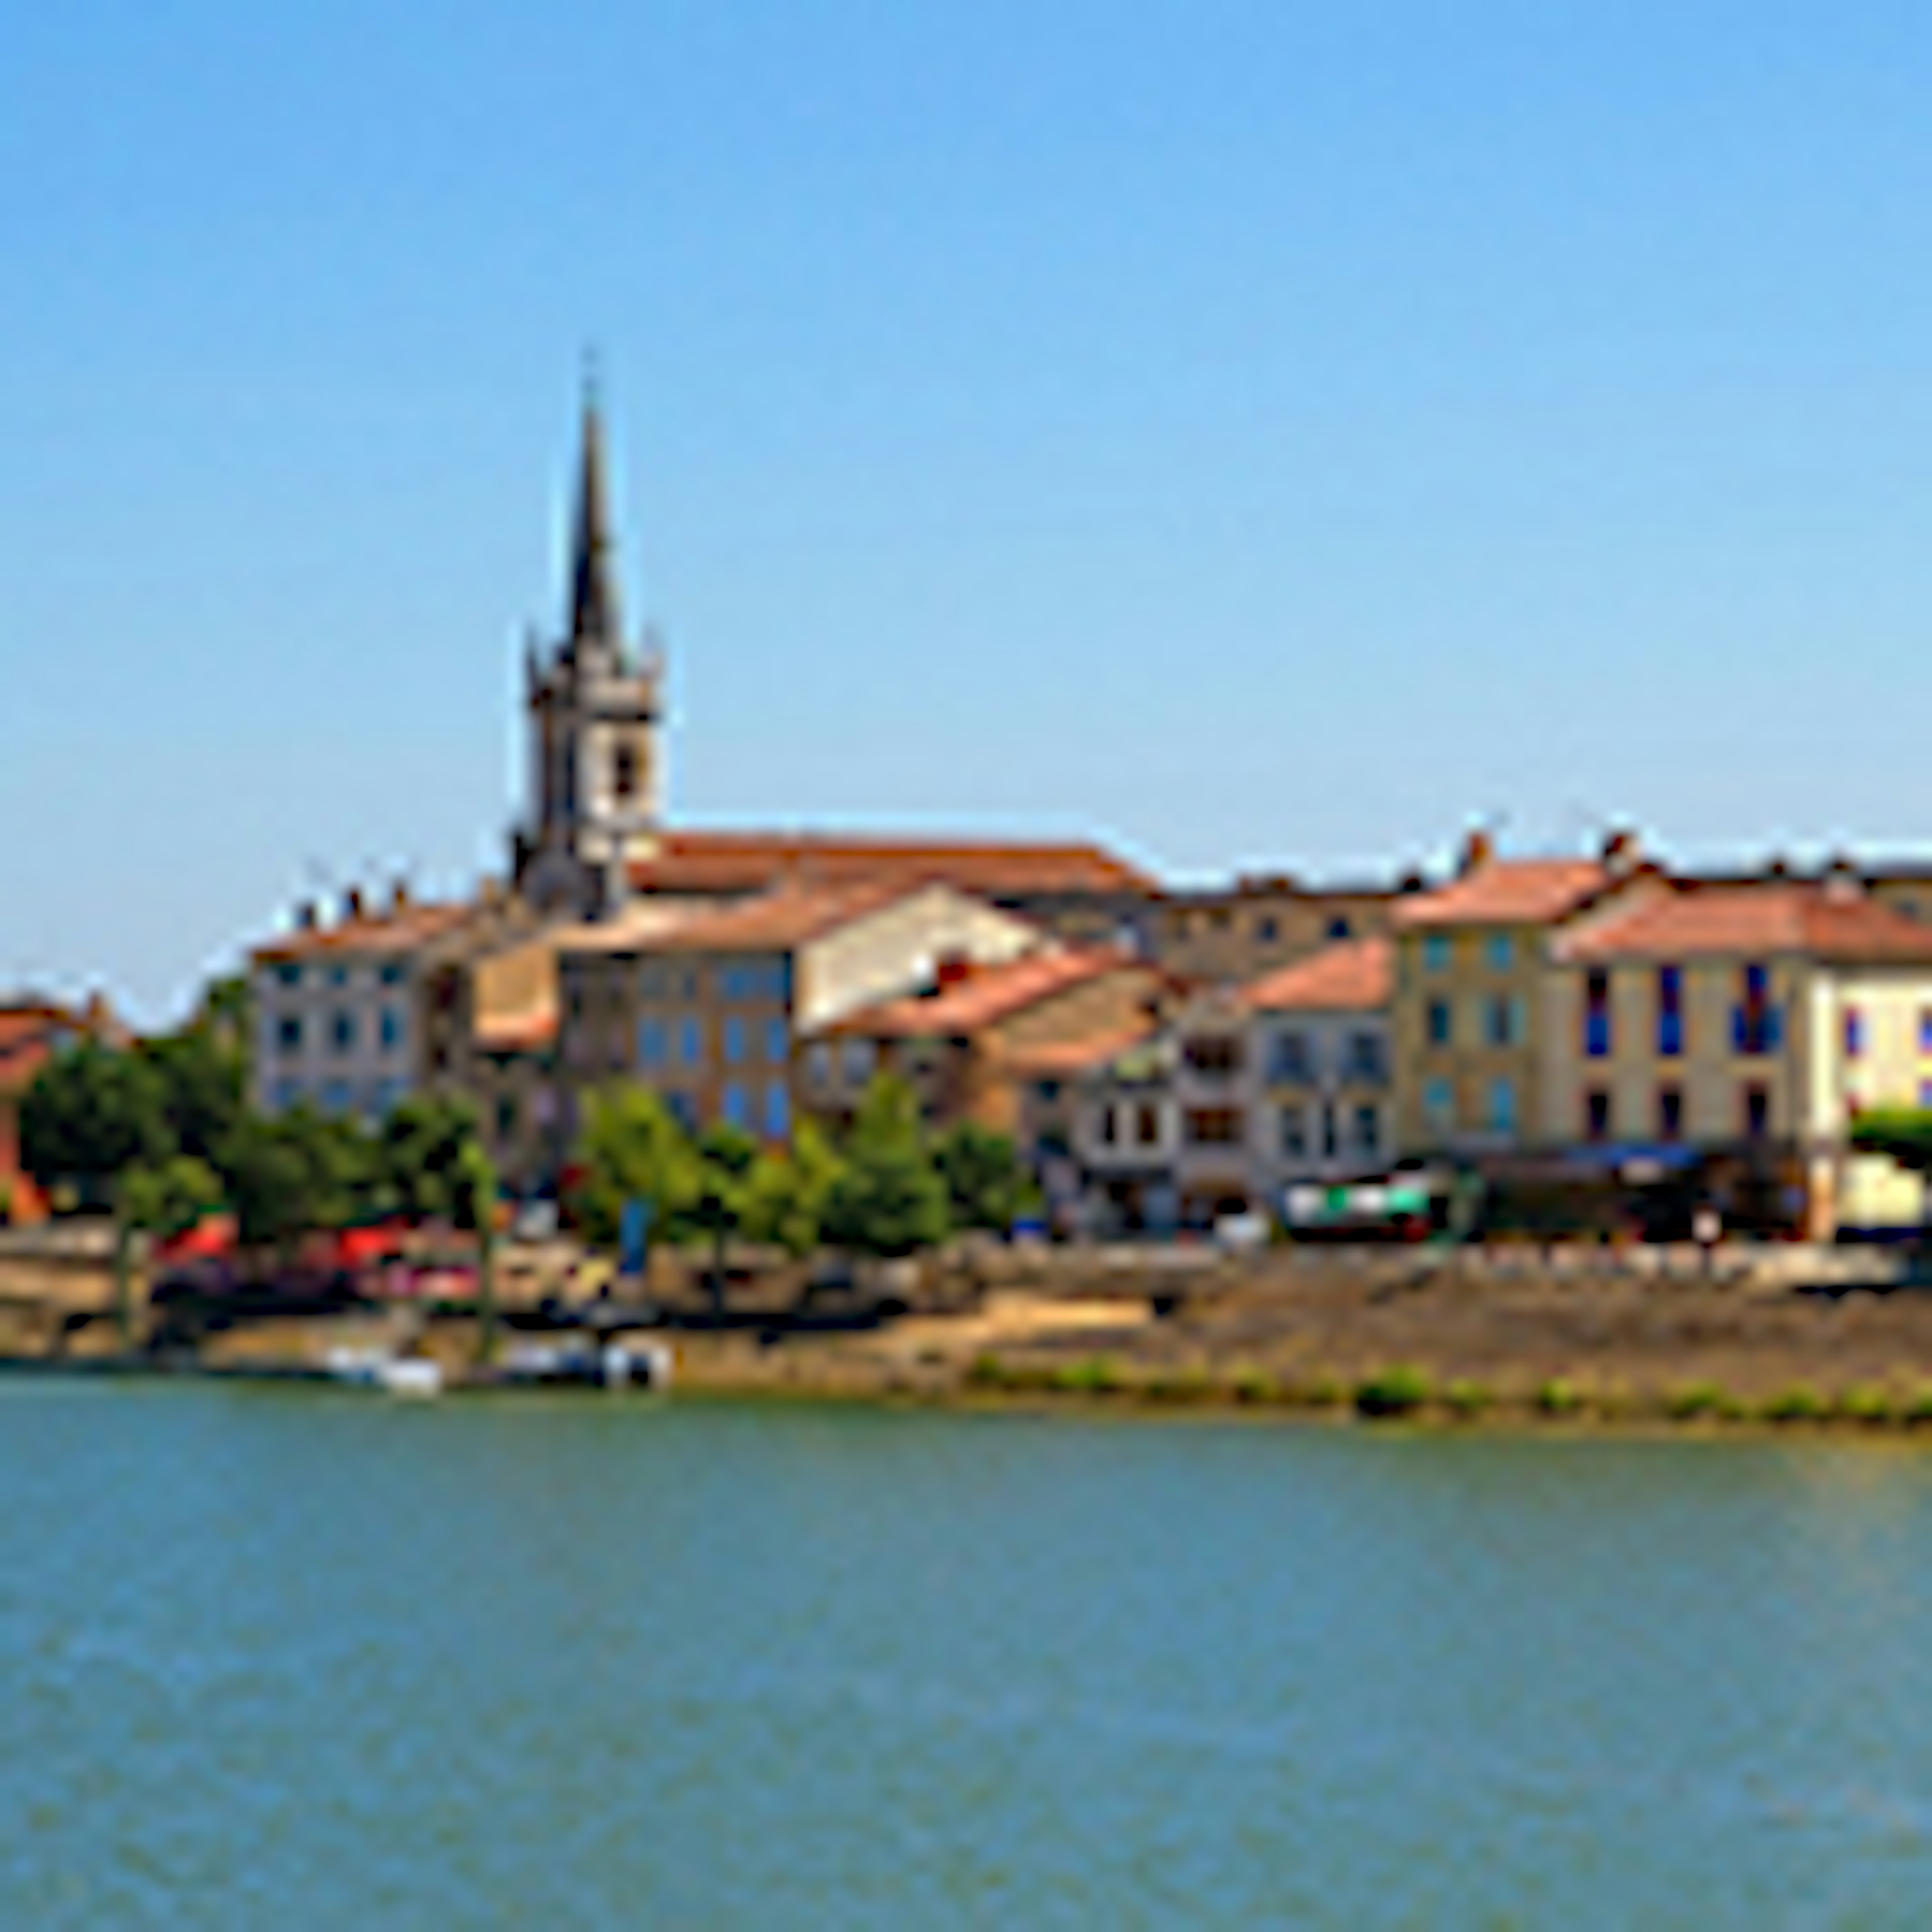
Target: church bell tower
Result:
[594, 710]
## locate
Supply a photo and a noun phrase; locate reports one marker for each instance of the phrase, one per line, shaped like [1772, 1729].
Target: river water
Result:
[297, 1657]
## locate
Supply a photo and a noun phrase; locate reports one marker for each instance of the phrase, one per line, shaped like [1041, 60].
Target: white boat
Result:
[375, 1368]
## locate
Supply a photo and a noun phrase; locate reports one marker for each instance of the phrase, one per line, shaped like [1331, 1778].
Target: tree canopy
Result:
[986, 1184]
[91, 1113]
[889, 1200]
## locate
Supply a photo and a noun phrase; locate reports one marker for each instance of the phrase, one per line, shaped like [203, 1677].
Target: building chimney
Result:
[954, 969]
[352, 903]
[1843, 881]
[1478, 850]
[399, 896]
[305, 916]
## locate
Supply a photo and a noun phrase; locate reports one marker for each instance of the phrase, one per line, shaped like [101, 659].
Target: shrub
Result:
[1256, 1386]
[1558, 1396]
[1179, 1385]
[1317, 1391]
[1865, 1406]
[1799, 1403]
[1399, 1390]
[988, 1372]
[1467, 1399]
[1697, 1399]
[1096, 1375]
[1918, 1410]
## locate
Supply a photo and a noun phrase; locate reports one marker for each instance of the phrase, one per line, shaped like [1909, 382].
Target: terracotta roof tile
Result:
[1507, 891]
[1351, 975]
[985, 994]
[737, 861]
[789, 916]
[1816, 921]
[1063, 1058]
[370, 932]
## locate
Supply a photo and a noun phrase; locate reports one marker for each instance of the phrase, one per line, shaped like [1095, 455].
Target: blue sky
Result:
[1255, 433]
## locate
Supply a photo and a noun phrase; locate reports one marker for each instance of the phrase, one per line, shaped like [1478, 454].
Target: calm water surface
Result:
[301, 1658]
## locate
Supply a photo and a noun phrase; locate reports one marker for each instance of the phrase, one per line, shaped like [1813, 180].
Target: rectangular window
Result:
[1499, 1016]
[288, 1033]
[342, 1030]
[1214, 1127]
[1291, 1065]
[392, 1028]
[1754, 1020]
[736, 1108]
[1596, 1014]
[777, 1110]
[1438, 1104]
[691, 1040]
[1366, 1062]
[858, 1058]
[1368, 1131]
[653, 1043]
[1855, 1032]
[1110, 1126]
[288, 974]
[1146, 1125]
[1669, 1011]
[1502, 1105]
[506, 1116]
[734, 1041]
[1331, 1133]
[1293, 1128]
[1925, 1030]
[683, 1111]
[1435, 952]
[1757, 1112]
[1213, 1056]
[1501, 950]
[1436, 1022]
[778, 1043]
[391, 975]
[1670, 1113]
[1597, 1114]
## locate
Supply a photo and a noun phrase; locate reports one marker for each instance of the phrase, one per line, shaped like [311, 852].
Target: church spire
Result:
[593, 595]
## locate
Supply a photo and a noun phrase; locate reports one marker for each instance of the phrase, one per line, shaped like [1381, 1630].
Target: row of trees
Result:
[886, 1188]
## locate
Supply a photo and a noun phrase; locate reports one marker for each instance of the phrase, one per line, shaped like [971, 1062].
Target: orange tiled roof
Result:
[1065, 1057]
[1352, 974]
[401, 931]
[985, 994]
[1818, 921]
[789, 915]
[739, 862]
[521, 1032]
[1507, 891]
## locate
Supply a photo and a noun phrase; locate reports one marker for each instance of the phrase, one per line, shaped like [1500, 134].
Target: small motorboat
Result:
[414, 1376]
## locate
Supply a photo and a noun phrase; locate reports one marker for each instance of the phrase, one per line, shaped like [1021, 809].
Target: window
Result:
[1925, 1030]
[1757, 1112]
[778, 1043]
[342, 1030]
[1669, 1011]
[338, 976]
[288, 1033]
[736, 1108]
[1855, 1032]
[1214, 1127]
[506, 1115]
[1213, 1056]
[1292, 1127]
[391, 975]
[734, 1041]
[390, 1028]
[1435, 1022]
[1754, 1020]
[1502, 1105]
[1596, 1014]
[288, 974]
[624, 771]
[1435, 952]
[1045, 1091]
[1291, 1064]
[287, 1093]
[1267, 929]
[335, 1097]
[1670, 1113]
[858, 1058]
[691, 1040]
[1146, 1124]
[1501, 952]
[1339, 928]
[1925, 1094]
[1365, 1061]
[1331, 1131]
[1499, 1018]
[1368, 1131]
[1438, 1104]
[683, 1111]
[653, 1043]
[1109, 1126]
[777, 1110]
[1597, 1114]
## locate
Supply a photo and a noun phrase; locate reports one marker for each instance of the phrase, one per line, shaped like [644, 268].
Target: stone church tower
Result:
[594, 711]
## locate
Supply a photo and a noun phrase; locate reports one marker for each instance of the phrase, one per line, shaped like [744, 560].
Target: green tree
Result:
[727, 1158]
[170, 1198]
[890, 1199]
[986, 1184]
[92, 1112]
[203, 1083]
[427, 1151]
[298, 1172]
[790, 1191]
[631, 1147]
